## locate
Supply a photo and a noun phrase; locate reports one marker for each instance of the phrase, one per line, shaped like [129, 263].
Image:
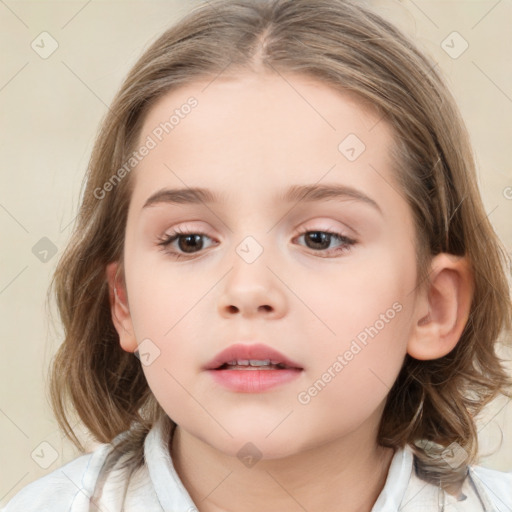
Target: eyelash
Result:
[169, 238]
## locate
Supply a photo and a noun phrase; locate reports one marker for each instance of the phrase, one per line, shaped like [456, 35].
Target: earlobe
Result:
[442, 308]
[119, 308]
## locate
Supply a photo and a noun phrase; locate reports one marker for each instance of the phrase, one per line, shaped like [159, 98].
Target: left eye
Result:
[190, 243]
[321, 240]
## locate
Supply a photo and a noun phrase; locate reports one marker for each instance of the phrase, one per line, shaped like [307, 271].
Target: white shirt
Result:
[95, 482]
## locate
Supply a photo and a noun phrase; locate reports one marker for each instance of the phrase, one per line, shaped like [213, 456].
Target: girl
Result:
[282, 291]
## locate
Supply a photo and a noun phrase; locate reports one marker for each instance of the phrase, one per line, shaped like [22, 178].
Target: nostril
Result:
[234, 309]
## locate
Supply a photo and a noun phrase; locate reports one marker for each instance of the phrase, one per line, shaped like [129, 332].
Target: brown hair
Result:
[341, 43]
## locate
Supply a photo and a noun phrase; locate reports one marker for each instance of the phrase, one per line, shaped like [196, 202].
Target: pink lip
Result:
[244, 351]
[252, 381]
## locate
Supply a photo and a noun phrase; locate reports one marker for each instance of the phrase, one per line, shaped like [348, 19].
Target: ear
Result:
[119, 308]
[442, 308]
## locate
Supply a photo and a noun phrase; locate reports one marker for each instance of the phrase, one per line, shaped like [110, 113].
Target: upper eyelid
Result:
[304, 226]
[357, 220]
[183, 231]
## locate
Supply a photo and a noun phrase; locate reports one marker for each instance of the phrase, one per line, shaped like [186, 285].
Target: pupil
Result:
[195, 238]
[318, 237]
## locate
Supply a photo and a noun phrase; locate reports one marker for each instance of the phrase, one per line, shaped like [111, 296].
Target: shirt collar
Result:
[173, 495]
[171, 492]
[397, 480]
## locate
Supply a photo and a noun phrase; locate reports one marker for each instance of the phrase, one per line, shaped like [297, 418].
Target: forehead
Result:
[260, 131]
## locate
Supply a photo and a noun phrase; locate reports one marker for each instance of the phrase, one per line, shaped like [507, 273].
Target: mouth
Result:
[243, 368]
[253, 364]
[241, 356]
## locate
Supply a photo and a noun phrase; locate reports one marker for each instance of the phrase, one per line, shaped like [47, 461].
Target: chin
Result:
[267, 432]
[254, 438]
[258, 447]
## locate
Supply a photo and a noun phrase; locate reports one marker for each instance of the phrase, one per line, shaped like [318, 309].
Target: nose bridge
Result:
[254, 243]
[251, 287]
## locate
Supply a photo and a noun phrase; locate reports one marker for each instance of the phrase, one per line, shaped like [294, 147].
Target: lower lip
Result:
[253, 381]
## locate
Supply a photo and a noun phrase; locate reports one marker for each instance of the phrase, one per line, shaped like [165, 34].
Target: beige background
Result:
[50, 111]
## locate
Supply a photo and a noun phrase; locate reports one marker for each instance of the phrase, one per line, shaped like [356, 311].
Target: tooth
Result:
[242, 362]
[257, 362]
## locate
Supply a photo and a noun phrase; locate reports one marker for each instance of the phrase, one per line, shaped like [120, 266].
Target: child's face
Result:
[254, 277]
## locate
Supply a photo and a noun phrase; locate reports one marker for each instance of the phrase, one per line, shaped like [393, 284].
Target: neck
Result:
[346, 474]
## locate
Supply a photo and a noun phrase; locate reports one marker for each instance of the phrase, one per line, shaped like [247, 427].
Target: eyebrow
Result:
[296, 193]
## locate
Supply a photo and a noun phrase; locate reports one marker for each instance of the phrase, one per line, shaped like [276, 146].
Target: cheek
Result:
[161, 296]
[360, 346]
[350, 379]
[368, 298]
[163, 307]
[165, 327]
[170, 320]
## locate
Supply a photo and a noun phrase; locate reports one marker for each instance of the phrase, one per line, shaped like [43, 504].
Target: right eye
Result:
[188, 242]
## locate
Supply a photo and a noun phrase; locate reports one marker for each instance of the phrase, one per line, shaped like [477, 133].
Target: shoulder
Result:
[483, 489]
[62, 489]
[496, 485]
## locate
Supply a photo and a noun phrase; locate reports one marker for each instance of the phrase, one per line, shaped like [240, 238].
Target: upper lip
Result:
[254, 351]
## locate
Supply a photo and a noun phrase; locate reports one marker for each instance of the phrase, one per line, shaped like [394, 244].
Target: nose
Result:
[251, 290]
